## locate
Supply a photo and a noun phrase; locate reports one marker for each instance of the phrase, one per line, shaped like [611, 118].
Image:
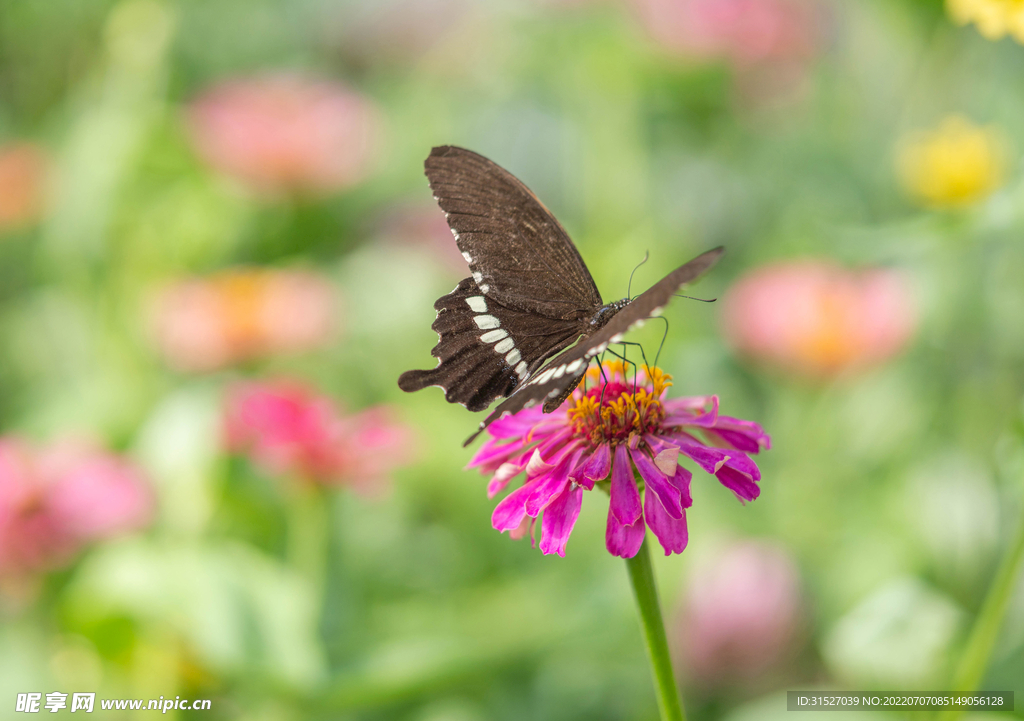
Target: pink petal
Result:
[681, 480]
[712, 459]
[739, 483]
[690, 412]
[623, 540]
[600, 463]
[493, 453]
[501, 477]
[732, 439]
[667, 461]
[577, 476]
[546, 488]
[625, 498]
[552, 448]
[742, 434]
[559, 518]
[537, 466]
[522, 529]
[671, 532]
[519, 424]
[509, 513]
[656, 482]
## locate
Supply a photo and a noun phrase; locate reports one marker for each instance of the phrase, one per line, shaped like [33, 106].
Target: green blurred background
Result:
[199, 193]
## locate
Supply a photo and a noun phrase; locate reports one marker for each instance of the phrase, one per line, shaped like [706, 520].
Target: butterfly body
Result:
[529, 296]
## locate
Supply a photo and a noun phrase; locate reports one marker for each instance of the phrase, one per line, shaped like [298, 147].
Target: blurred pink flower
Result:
[56, 500]
[289, 430]
[207, 323]
[424, 226]
[816, 318]
[745, 32]
[392, 31]
[23, 170]
[741, 615]
[285, 133]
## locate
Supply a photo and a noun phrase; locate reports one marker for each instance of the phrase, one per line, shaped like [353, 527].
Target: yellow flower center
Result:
[609, 408]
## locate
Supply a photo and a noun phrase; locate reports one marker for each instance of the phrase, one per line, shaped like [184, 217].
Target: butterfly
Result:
[529, 297]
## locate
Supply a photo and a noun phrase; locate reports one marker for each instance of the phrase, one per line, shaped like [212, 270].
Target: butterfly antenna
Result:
[629, 287]
[702, 300]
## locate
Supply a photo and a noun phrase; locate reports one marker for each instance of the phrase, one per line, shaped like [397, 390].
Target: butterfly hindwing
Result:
[519, 254]
[486, 350]
[552, 384]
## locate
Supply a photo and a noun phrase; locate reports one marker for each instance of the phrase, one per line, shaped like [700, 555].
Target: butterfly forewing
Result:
[551, 384]
[519, 254]
[486, 350]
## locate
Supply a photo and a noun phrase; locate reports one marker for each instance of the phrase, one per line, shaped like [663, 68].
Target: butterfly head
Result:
[605, 313]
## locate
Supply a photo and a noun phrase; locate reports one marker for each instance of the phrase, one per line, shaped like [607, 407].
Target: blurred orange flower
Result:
[955, 164]
[284, 133]
[816, 318]
[993, 18]
[207, 323]
[23, 169]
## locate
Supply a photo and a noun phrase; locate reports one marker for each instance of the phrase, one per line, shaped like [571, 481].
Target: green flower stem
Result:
[974, 661]
[308, 534]
[641, 574]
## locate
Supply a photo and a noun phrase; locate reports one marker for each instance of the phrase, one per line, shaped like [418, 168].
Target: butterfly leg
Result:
[663, 337]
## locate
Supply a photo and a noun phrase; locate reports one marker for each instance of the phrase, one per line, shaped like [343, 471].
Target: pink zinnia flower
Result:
[285, 133]
[289, 430]
[741, 614]
[817, 318]
[746, 32]
[613, 427]
[56, 500]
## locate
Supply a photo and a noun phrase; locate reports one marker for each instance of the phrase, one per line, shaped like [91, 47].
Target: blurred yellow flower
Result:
[993, 18]
[955, 164]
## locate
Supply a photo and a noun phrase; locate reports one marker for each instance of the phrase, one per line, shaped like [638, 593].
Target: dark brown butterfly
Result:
[529, 297]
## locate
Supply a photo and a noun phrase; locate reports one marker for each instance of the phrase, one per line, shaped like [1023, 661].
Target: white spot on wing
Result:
[572, 367]
[484, 287]
[504, 346]
[477, 277]
[467, 256]
[477, 303]
[454, 232]
[616, 338]
[559, 371]
[543, 377]
[656, 312]
[521, 369]
[513, 357]
[494, 335]
[486, 321]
